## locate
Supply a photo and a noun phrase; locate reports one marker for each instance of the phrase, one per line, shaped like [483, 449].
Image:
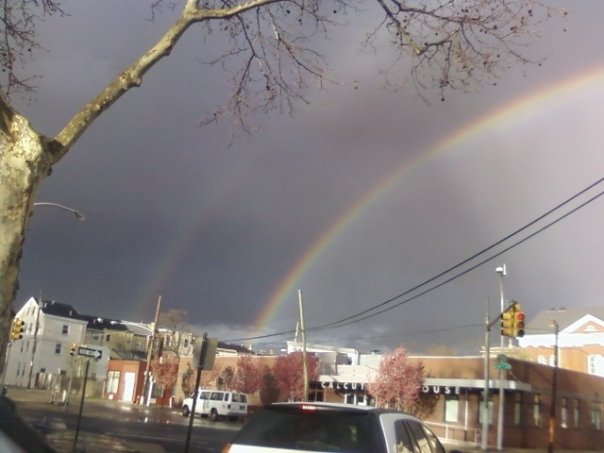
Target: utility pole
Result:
[552, 407]
[484, 436]
[34, 347]
[146, 390]
[501, 272]
[303, 330]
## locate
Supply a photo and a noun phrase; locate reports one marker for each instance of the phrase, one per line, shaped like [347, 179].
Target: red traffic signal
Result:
[518, 322]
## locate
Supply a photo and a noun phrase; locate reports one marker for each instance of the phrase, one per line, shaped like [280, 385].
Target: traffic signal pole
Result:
[77, 431]
[193, 409]
[504, 317]
[501, 272]
[484, 435]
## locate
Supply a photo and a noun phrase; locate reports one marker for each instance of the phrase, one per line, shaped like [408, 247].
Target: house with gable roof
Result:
[43, 354]
[580, 339]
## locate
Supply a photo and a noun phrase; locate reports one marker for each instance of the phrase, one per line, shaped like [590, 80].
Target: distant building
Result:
[580, 339]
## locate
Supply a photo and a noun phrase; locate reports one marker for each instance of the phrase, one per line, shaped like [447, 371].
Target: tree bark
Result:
[24, 162]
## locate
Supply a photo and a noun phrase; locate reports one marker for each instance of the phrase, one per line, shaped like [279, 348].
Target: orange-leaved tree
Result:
[398, 381]
[289, 374]
[248, 375]
[165, 372]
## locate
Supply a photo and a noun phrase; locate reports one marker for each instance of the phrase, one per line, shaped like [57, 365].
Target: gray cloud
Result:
[173, 209]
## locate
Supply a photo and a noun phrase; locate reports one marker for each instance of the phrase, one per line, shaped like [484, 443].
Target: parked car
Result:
[217, 404]
[331, 427]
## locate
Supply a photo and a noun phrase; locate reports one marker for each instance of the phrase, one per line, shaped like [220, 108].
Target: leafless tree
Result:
[270, 53]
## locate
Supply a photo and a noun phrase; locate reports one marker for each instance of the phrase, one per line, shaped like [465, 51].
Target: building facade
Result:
[43, 354]
[579, 341]
[452, 397]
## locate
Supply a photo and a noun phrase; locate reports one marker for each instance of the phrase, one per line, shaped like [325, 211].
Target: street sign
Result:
[90, 352]
[502, 363]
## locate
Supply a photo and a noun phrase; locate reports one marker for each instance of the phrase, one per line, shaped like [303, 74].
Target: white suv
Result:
[217, 404]
[330, 427]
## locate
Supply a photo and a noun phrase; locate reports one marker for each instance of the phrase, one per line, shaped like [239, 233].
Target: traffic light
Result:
[17, 329]
[72, 350]
[204, 352]
[507, 323]
[518, 320]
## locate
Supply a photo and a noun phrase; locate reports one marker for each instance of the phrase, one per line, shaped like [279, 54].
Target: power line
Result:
[467, 260]
[414, 332]
[350, 319]
[358, 317]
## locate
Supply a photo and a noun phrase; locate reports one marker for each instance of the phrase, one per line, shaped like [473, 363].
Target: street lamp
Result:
[78, 214]
[501, 272]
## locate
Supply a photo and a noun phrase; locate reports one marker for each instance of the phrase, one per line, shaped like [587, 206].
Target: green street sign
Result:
[503, 366]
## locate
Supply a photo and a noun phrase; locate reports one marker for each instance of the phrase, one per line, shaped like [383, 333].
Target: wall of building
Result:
[44, 348]
[123, 367]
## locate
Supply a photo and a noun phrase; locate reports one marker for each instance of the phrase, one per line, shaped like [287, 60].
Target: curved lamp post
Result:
[78, 214]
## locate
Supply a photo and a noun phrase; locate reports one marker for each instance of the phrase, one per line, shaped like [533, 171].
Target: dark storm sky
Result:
[218, 226]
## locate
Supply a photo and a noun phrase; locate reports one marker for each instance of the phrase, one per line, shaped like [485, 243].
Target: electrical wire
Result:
[467, 260]
[350, 321]
[358, 317]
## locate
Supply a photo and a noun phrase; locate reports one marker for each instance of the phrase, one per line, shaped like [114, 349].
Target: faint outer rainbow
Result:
[550, 96]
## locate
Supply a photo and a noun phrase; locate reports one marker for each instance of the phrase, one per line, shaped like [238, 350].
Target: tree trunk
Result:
[24, 163]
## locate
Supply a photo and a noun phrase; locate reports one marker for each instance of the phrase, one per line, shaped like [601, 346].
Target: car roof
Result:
[337, 407]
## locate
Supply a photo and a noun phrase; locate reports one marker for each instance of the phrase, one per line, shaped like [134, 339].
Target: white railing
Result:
[455, 433]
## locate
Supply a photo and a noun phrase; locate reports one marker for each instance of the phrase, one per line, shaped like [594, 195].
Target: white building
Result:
[579, 341]
[43, 355]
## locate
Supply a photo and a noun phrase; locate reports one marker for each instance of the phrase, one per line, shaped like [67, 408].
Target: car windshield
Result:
[326, 431]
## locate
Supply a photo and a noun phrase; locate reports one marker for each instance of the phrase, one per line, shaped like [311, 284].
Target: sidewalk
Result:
[61, 439]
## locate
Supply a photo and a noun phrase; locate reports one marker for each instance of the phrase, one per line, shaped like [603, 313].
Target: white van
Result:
[217, 404]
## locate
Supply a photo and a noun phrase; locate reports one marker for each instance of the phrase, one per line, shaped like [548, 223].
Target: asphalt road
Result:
[121, 427]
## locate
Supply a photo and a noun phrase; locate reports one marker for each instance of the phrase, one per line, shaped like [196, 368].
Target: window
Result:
[65, 329]
[576, 413]
[216, 396]
[404, 444]
[563, 413]
[541, 359]
[518, 408]
[433, 440]
[481, 410]
[58, 348]
[537, 410]
[596, 416]
[552, 360]
[452, 408]
[113, 381]
[425, 440]
[595, 364]
[239, 398]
